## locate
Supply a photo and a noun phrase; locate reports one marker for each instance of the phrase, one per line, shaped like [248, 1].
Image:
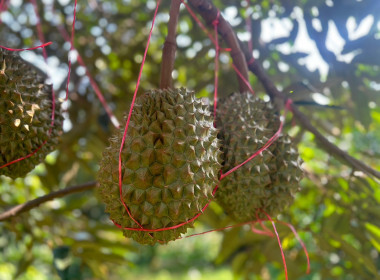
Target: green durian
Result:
[170, 165]
[270, 180]
[25, 115]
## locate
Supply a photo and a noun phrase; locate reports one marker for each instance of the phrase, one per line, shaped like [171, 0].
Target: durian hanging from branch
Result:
[168, 165]
[27, 130]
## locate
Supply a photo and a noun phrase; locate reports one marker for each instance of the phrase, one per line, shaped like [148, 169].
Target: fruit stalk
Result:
[170, 46]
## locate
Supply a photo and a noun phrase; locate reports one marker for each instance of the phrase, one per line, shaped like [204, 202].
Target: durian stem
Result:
[170, 46]
[18, 209]
[208, 11]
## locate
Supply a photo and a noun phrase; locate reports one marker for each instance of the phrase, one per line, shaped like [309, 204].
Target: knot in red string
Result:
[215, 22]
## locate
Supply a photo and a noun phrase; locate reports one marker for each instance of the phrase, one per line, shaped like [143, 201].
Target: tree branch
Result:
[170, 46]
[18, 209]
[208, 11]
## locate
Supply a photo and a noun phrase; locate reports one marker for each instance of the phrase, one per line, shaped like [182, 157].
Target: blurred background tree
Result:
[325, 55]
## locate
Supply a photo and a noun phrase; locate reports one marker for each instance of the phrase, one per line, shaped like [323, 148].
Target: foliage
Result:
[314, 50]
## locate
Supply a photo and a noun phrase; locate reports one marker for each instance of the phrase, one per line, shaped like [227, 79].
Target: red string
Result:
[244, 79]
[41, 38]
[279, 244]
[25, 157]
[71, 49]
[123, 141]
[266, 232]
[202, 26]
[216, 43]
[266, 146]
[300, 241]
[261, 232]
[218, 229]
[129, 117]
[260, 221]
[27, 49]
[270, 141]
[93, 83]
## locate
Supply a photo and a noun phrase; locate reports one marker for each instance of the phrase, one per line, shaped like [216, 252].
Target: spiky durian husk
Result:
[25, 115]
[270, 180]
[170, 165]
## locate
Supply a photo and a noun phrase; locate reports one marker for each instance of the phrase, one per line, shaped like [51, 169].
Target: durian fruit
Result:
[25, 115]
[170, 165]
[270, 180]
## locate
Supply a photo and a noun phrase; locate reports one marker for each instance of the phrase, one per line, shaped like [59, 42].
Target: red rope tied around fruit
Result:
[263, 148]
[288, 107]
[270, 141]
[129, 119]
[215, 23]
[123, 141]
[27, 49]
[267, 232]
[279, 243]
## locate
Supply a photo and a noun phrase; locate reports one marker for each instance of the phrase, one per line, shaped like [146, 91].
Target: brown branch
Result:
[208, 11]
[170, 46]
[303, 120]
[18, 209]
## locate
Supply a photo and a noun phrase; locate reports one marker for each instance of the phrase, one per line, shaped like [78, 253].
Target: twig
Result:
[18, 209]
[208, 11]
[170, 46]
